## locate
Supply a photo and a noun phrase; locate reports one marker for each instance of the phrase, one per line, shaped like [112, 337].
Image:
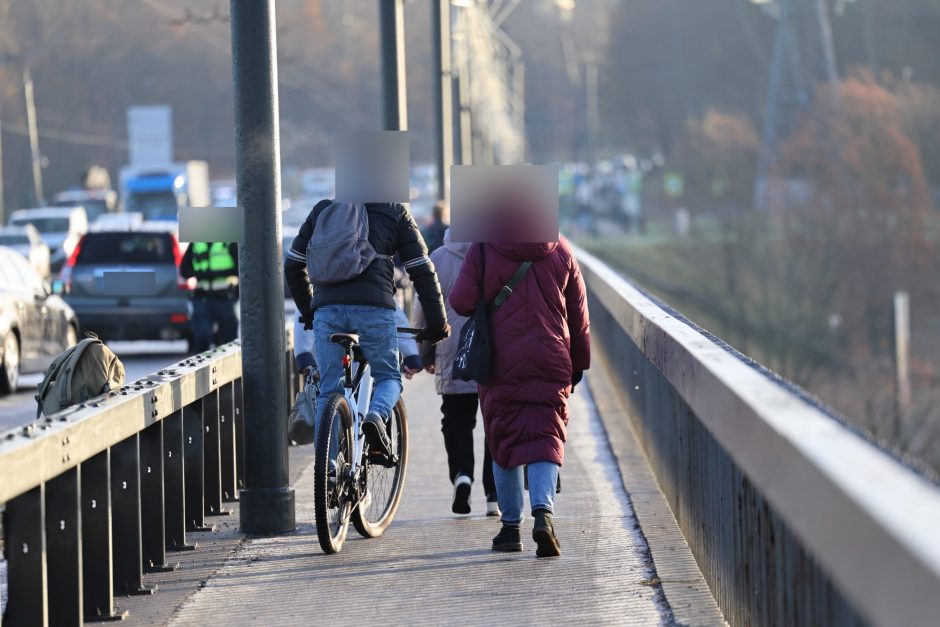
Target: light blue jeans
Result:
[510, 489]
[377, 337]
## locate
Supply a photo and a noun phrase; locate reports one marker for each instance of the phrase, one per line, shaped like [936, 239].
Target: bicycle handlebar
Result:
[409, 330]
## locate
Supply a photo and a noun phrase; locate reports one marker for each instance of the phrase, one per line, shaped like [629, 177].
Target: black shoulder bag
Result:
[473, 358]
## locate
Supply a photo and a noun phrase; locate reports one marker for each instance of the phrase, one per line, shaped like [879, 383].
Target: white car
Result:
[61, 228]
[26, 241]
[123, 221]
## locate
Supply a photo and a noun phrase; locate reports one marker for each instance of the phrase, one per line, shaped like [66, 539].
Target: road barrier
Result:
[100, 494]
[792, 517]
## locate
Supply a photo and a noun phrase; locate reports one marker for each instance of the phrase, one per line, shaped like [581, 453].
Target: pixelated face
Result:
[372, 166]
[211, 224]
[507, 204]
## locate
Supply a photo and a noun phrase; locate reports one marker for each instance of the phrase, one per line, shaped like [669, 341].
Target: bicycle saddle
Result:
[345, 338]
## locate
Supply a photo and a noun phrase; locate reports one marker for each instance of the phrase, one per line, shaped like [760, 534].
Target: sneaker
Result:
[543, 532]
[508, 540]
[461, 503]
[492, 506]
[376, 434]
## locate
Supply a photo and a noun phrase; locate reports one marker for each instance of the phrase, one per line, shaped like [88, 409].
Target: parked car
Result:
[59, 227]
[96, 202]
[35, 324]
[155, 305]
[26, 241]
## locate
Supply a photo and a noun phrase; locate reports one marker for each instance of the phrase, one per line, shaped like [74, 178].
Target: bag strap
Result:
[51, 375]
[506, 290]
[79, 350]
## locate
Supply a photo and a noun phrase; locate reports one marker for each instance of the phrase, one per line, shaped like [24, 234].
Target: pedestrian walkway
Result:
[435, 568]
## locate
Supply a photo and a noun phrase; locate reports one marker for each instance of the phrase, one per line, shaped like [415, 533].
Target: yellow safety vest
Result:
[213, 258]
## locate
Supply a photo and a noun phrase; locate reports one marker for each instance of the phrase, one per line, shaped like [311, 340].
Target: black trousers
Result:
[460, 417]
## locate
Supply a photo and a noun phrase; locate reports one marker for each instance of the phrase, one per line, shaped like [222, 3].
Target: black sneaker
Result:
[543, 532]
[461, 504]
[373, 427]
[508, 540]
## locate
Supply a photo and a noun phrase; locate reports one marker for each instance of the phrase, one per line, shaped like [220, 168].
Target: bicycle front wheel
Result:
[384, 479]
[332, 489]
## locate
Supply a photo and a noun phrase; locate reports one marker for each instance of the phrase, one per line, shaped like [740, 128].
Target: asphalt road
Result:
[139, 358]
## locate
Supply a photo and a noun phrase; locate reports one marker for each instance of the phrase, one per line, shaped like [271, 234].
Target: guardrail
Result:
[792, 517]
[97, 495]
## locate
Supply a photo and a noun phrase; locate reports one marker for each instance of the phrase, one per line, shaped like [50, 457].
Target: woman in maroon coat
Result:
[541, 347]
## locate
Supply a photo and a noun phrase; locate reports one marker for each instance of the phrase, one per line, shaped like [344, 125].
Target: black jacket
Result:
[391, 230]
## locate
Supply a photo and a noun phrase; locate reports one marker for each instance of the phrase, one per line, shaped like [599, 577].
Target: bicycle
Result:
[350, 481]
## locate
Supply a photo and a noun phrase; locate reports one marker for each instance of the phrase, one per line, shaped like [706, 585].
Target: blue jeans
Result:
[208, 311]
[510, 489]
[377, 337]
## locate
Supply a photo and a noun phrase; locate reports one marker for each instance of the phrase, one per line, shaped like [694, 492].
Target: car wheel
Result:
[10, 368]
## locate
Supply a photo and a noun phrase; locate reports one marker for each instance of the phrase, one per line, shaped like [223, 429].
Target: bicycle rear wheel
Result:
[332, 489]
[384, 481]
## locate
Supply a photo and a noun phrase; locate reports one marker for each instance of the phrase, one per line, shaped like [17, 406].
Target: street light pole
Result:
[391, 17]
[267, 502]
[443, 94]
[33, 136]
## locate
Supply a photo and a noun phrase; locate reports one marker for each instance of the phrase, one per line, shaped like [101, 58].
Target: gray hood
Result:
[458, 248]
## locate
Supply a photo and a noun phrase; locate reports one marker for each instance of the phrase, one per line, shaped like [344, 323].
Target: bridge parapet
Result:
[792, 517]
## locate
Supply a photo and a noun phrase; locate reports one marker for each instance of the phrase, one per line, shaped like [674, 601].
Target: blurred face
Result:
[372, 166]
[504, 204]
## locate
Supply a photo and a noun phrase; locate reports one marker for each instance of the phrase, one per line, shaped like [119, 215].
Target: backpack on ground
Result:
[339, 249]
[81, 372]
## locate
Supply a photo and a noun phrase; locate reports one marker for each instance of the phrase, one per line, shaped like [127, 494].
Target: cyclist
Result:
[301, 431]
[365, 305]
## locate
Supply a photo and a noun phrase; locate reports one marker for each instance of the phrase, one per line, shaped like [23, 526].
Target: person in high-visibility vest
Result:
[215, 298]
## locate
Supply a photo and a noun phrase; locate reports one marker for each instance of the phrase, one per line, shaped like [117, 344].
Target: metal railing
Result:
[792, 517]
[97, 495]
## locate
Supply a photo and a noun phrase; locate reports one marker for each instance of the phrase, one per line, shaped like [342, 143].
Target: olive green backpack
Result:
[81, 372]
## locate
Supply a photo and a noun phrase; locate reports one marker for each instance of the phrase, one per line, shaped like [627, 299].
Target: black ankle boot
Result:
[508, 540]
[543, 532]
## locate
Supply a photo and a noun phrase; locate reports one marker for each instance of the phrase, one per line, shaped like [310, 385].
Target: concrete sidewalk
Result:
[434, 568]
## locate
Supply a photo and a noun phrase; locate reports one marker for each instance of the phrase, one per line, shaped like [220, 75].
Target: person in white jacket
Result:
[459, 398]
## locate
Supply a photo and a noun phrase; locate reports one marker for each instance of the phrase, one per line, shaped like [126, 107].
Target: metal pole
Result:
[769, 140]
[33, 136]
[593, 113]
[443, 93]
[391, 16]
[267, 502]
[828, 46]
[3, 215]
[902, 356]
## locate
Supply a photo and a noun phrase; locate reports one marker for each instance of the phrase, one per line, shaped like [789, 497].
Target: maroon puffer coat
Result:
[540, 335]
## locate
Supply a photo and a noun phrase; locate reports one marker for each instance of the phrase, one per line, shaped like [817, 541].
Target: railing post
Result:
[24, 526]
[64, 548]
[239, 396]
[125, 503]
[267, 502]
[152, 494]
[174, 484]
[227, 442]
[97, 577]
[194, 455]
[212, 465]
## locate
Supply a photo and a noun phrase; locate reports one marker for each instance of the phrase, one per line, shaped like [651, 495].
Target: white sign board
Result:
[150, 135]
